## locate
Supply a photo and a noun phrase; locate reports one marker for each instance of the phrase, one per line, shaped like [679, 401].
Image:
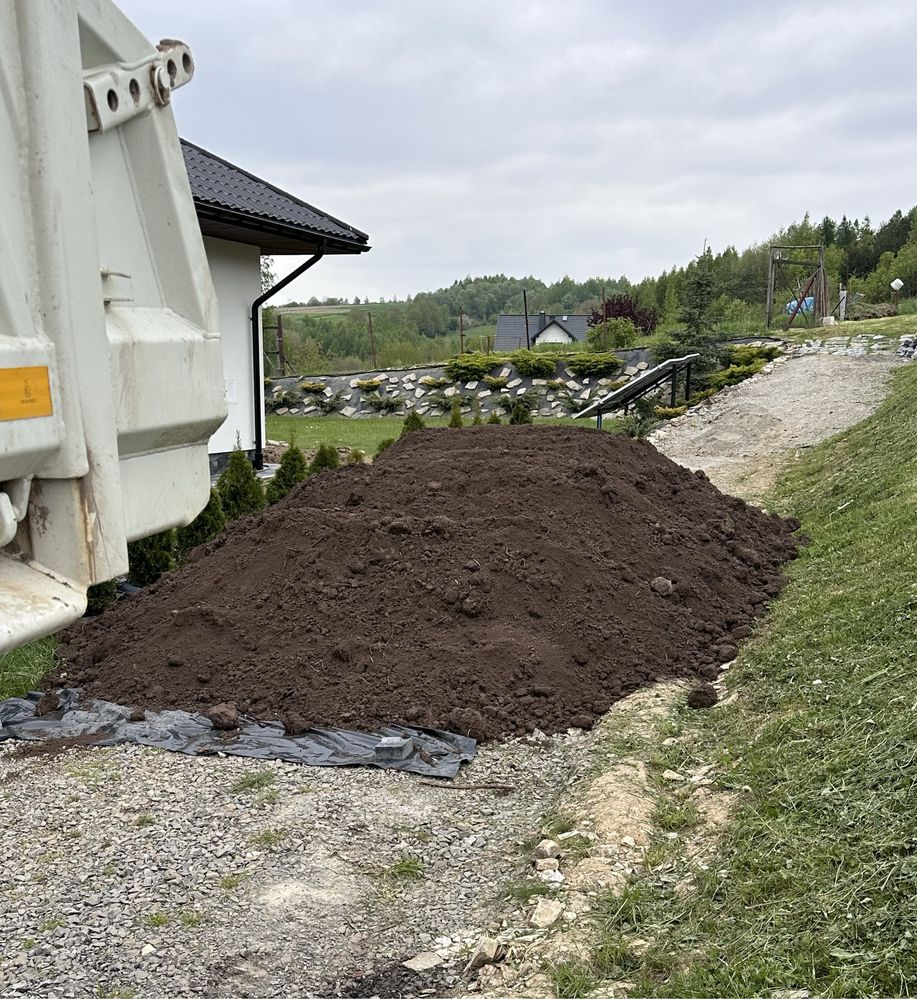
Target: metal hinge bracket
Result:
[116, 93]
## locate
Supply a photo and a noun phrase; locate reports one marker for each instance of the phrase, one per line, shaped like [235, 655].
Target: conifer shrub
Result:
[329, 404]
[382, 403]
[383, 445]
[150, 557]
[315, 388]
[240, 490]
[476, 420]
[495, 381]
[413, 421]
[494, 419]
[472, 365]
[669, 412]
[368, 384]
[455, 420]
[432, 382]
[520, 413]
[205, 526]
[101, 595]
[326, 457]
[532, 365]
[293, 469]
[356, 457]
[594, 365]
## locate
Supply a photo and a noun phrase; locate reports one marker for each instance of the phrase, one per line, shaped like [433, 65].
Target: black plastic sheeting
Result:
[101, 723]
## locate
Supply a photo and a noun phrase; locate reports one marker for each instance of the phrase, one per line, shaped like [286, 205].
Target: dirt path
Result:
[745, 435]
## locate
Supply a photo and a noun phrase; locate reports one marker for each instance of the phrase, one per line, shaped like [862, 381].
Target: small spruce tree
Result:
[239, 488]
[383, 445]
[456, 419]
[293, 469]
[101, 595]
[476, 420]
[413, 421]
[205, 526]
[150, 557]
[494, 418]
[325, 457]
[520, 413]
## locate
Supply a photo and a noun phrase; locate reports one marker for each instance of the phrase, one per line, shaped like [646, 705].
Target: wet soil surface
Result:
[490, 580]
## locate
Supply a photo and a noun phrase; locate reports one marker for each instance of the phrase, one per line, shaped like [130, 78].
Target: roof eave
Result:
[269, 235]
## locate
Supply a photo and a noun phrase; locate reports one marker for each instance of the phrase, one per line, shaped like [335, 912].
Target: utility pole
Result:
[461, 331]
[372, 340]
[525, 309]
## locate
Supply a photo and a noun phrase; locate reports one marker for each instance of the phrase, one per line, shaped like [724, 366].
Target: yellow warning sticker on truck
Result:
[25, 393]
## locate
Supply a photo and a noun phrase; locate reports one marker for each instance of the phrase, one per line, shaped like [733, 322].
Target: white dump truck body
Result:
[111, 375]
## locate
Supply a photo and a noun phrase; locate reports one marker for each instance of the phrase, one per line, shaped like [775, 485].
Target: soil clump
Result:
[489, 580]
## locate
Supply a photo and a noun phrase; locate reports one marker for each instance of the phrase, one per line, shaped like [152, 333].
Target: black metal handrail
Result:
[639, 386]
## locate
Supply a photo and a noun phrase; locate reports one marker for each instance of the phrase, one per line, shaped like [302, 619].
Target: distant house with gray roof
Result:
[543, 328]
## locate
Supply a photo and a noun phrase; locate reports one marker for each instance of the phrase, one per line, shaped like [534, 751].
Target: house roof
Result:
[236, 205]
[511, 329]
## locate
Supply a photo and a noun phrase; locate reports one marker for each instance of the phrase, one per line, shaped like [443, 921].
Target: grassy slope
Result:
[815, 883]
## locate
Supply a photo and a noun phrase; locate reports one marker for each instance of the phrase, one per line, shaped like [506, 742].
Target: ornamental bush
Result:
[520, 413]
[594, 365]
[293, 469]
[495, 382]
[239, 489]
[205, 526]
[473, 365]
[383, 445]
[150, 557]
[326, 457]
[611, 333]
[494, 419]
[532, 365]
[456, 421]
[413, 421]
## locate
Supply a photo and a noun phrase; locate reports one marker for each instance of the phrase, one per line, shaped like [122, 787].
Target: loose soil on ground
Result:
[491, 580]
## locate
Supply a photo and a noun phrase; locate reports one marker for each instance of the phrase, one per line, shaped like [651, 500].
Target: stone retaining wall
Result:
[411, 388]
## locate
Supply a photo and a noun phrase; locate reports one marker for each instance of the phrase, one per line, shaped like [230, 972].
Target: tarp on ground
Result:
[101, 723]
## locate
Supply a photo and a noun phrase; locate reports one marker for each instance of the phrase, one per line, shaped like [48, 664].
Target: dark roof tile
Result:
[218, 184]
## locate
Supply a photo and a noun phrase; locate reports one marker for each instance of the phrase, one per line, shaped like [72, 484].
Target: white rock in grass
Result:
[471, 386]
[546, 913]
[450, 392]
[546, 848]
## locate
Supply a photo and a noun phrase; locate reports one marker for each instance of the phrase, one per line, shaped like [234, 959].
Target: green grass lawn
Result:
[366, 434]
[22, 669]
[892, 326]
[814, 885]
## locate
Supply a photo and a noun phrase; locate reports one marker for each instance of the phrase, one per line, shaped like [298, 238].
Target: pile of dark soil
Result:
[489, 580]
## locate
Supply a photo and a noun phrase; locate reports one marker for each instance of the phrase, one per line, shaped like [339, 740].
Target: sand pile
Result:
[489, 580]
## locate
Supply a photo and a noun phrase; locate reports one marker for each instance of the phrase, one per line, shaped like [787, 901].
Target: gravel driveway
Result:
[130, 873]
[741, 437]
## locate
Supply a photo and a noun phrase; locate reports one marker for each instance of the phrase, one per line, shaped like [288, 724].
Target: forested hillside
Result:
[424, 327]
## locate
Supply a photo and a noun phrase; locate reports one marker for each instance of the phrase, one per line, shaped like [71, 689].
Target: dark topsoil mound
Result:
[489, 580]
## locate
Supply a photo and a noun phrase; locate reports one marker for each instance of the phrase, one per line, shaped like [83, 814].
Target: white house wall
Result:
[553, 334]
[236, 272]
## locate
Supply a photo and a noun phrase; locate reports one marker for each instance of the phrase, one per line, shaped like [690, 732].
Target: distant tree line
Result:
[423, 328]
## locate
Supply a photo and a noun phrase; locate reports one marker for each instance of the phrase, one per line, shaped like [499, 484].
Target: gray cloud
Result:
[581, 137]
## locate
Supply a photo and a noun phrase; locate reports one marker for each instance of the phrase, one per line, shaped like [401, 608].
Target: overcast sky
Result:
[575, 137]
